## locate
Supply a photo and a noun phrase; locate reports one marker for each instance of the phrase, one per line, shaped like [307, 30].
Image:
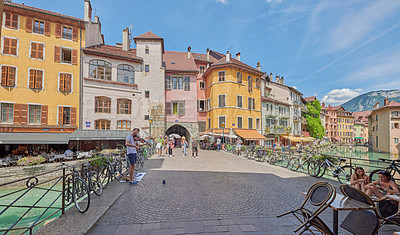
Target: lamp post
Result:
[150, 121]
[223, 132]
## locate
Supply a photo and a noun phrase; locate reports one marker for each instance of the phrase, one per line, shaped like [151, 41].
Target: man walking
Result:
[131, 150]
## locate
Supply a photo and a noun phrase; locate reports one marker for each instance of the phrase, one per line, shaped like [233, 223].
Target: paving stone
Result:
[222, 228]
[210, 229]
[166, 225]
[151, 226]
[247, 228]
[178, 224]
[211, 223]
[105, 229]
[180, 231]
[127, 229]
[227, 222]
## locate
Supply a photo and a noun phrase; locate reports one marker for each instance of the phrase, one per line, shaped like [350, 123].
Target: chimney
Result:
[88, 11]
[385, 101]
[282, 80]
[258, 65]
[238, 56]
[126, 44]
[208, 54]
[228, 56]
[96, 19]
[277, 79]
[189, 48]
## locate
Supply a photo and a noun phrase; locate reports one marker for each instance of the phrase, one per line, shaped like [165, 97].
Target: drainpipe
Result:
[80, 78]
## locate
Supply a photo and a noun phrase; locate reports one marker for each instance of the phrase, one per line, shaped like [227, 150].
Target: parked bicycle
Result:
[80, 190]
[342, 173]
[303, 160]
[91, 178]
[393, 169]
[112, 170]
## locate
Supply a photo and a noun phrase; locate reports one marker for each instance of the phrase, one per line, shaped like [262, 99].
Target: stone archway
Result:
[178, 129]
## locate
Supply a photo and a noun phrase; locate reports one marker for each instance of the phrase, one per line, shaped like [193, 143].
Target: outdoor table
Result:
[343, 203]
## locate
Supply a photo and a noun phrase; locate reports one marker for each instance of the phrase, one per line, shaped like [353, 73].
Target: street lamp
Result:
[223, 132]
[150, 121]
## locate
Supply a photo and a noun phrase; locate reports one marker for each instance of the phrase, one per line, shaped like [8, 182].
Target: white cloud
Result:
[270, 1]
[223, 1]
[340, 96]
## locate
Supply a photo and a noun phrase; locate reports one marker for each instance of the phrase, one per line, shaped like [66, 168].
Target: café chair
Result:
[361, 222]
[320, 195]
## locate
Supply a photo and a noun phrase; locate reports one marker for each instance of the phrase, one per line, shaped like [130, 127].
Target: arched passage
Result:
[179, 130]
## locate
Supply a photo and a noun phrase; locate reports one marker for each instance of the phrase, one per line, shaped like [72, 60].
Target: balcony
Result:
[276, 130]
[395, 116]
[299, 119]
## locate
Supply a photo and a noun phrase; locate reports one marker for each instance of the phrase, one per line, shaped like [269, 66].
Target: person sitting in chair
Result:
[383, 186]
[359, 179]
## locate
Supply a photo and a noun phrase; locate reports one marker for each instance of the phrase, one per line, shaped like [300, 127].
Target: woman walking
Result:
[159, 146]
[184, 145]
[194, 148]
[170, 147]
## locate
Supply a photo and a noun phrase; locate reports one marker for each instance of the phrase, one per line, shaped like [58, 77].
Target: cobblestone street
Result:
[216, 193]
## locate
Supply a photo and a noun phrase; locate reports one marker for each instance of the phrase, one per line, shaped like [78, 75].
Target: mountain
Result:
[367, 101]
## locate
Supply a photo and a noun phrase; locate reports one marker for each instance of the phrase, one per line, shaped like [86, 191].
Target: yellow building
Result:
[40, 70]
[233, 95]
[345, 124]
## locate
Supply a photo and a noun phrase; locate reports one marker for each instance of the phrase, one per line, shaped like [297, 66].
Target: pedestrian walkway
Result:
[216, 193]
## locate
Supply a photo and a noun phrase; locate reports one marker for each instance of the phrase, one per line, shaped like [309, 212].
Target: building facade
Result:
[361, 126]
[40, 70]
[331, 128]
[345, 124]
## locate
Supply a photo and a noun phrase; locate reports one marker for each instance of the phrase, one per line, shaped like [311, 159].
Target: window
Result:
[250, 123]
[126, 73]
[239, 77]
[251, 103]
[396, 140]
[202, 85]
[187, 84]
[146, 50]
[250, 83]
[103, 105]
[11, 21]
[202, 69]
[258, 83]
[35, 112]
[376, 143]
[396, 125]
[38, 26]
[66, 55]
[146, 117]
[64, 115]
[239, 122]
[257, 123]
[123, 125]
[239, 101]
[147, 68]
[100, 69]
[8, 75]
[147, 94]
[37, 51]
[7, 113]
[10, 46]
[124, 106]
[65, 82]
[376, 117]
[35, 79]
[221, 76]
[180, 83]
[67, 33]
[175, 108]
[395, 113]
[209, 123]
[102, 124]
[201, 105]
[175, 83]
[202, 126]
[168, 83]
[221, 101]
[221, 121]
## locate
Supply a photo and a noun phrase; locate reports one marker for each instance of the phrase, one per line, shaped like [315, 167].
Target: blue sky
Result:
[332, 49]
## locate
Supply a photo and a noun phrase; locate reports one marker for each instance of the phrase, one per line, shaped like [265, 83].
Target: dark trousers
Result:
[194, 150]
[169, 151]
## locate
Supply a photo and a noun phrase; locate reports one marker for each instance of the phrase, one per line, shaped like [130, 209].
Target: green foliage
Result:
[314, 124]
[321, 158]
[98, 161]
[30, 161]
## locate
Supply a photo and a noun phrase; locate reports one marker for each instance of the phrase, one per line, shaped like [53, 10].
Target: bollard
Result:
[163, 182]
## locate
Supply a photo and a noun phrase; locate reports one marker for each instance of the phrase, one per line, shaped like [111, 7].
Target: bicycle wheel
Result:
[81, 195]
[313, 168]
[117, 170]
[272, 158]
[344, 174]
[104, 176]
[294, 164]
[374, 176]
[95, 183]
[124, 168]
[285, 161]
[139, 163]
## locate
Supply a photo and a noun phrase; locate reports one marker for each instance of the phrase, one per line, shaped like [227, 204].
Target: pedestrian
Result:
[238, 145]
[159, 146]
[170, 147]
[219, 143]
[194, 148]
[184, 145]
[131, 150]
[166, 144]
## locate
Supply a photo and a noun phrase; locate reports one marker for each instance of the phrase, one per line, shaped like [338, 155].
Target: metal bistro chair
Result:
[362, 222]
[320, 195]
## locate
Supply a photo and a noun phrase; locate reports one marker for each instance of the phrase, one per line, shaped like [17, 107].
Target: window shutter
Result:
[57, 54]
[32, 79]
[33, 49]
[249, 103]
[17, 113]
[68, 81]
[40, 51]
[254, 104]
[47, 28]
[61, 82]
[181, 108]
[44, 114]
[75, 34]
[58, 30]
[60, 115]
[168, 108]
[28, 24]
[73, 116]
[39, 77]
[4, 75]
[187, 84]
[74, 57]
[11, 76]
[168, 82]
[198, 105]
[24, 114]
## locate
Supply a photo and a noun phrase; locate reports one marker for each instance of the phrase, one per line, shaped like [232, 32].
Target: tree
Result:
[314, 124]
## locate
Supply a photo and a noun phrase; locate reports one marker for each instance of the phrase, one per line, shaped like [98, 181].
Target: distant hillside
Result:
[367, 101]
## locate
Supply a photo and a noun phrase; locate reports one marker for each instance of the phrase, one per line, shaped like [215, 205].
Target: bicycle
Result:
[393, 168]
[92, 179]
[109, 172]
[140, 159]
[80, 190]
[299, 162]
[342, 173]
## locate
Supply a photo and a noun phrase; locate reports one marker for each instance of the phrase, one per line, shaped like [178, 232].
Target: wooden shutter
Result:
[40, 51]
[11, 76]
[61, 82]
[39, 78]
[168, 108]
[28, 24]
[168, 82]
[17, 113]
[58, 30]
[32, 73]
[44, 114]
[24, 114]
[75, 34]
[57, 54]
[34, 50]
[186, 85]
[7, 46]
[13, 46]
[73, 116]
[181, 108]
[47, 28]
[74, 58]
[249, 103]
[68, 82]
[4, 75]
[60, 115]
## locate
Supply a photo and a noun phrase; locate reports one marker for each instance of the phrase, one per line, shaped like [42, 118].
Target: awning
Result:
[249, 134]
[337, 138]
[298, 139]
[100, 135]
[34, 138]
[359, 138]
